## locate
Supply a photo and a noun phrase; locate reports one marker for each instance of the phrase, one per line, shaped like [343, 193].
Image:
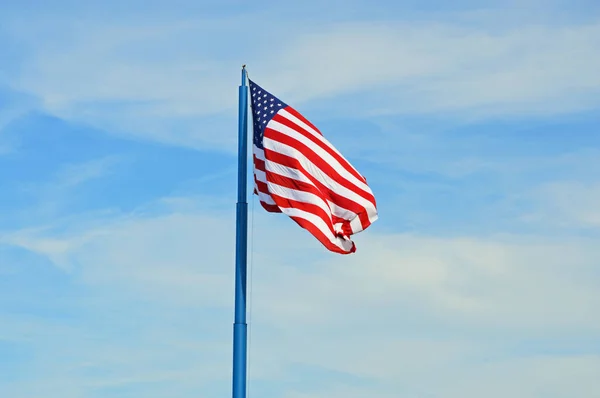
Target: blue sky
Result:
[478, 128]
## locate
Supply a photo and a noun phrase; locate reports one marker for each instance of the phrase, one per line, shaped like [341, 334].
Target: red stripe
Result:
[346, 228]
[288, 182]
[316, 232]
[317, 161]
[299, 116]
[307, 207]
[259, 163]
[262, 187]
[343, 162]
[270, 208]
[333, 196]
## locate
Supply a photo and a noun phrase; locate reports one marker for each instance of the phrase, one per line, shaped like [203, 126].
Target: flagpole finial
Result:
[244, 74]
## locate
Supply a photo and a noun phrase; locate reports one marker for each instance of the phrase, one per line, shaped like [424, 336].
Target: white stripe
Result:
[356, 225]
[300, 196]
[312, 131]
[323, 154]
[295, 174]
[318, 174]
[343, 244]
[266, 198]
[307, 128]
[260, 153]
[261, 176]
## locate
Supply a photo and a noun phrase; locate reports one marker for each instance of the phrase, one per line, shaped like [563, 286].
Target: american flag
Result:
[299, 173]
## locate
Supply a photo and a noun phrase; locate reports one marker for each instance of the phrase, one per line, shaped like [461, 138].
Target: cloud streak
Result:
[153, 80]
[403, 290]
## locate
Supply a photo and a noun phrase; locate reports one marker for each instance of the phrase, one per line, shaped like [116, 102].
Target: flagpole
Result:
[241, 240]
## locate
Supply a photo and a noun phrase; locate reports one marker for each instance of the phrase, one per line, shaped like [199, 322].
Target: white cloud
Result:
[535, 377]
[567, 204]
[13, 106]
[489, 280]
[491, 283]
[414, 312]
[58, 192]
[76, 174]
[162, 80]
[448, 68]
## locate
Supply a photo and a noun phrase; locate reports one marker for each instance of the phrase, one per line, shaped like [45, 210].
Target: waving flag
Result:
[299, 173]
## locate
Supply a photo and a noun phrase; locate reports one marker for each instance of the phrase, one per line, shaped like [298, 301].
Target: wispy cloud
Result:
[503, 290]
[75, 174]
[568, 205]
[58, 192]
[153, 79]
[435, 67]
[13, 105]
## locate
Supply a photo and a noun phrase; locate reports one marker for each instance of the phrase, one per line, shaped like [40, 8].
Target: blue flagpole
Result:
[241, 239]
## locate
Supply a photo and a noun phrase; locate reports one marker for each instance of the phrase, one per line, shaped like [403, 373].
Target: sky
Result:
[477, 127]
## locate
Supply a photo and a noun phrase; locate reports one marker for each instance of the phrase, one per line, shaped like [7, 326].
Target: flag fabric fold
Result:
[301, 174]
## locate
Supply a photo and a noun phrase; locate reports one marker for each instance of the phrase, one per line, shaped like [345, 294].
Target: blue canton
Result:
[264, 107]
